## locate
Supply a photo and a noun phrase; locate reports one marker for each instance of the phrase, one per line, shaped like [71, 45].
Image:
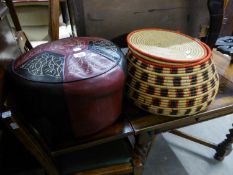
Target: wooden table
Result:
[145, 126]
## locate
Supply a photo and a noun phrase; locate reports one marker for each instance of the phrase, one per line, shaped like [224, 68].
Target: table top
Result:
[135, 121]
[120, 129]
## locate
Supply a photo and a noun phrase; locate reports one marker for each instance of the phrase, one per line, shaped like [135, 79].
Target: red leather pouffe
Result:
[72, 86]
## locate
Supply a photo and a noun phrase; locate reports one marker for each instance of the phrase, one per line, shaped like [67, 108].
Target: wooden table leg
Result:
[142, 147]
[225, 147]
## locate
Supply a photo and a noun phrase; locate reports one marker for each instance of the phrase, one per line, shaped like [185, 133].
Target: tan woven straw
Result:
[186, 92]
[184, 80]
[170, 73]
[174, 112]
[165, 45]
[148, 99]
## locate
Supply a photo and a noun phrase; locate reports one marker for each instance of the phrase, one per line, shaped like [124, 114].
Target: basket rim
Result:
[163, 58]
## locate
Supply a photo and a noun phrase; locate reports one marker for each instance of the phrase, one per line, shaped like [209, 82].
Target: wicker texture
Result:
[169, 83]
[166, 45]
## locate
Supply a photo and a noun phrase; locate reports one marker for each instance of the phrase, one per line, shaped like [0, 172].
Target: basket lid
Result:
[166, 45]
[69, 59]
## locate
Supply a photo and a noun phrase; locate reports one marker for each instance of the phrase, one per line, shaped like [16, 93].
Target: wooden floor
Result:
[162, 160]
[197, 159]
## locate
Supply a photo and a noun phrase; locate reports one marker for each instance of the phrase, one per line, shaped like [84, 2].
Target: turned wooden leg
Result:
[224, 148]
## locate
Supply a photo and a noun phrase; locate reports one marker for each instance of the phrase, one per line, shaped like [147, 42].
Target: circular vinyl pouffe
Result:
[73, 85]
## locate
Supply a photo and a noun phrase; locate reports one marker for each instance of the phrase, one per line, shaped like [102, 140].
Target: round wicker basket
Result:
[170, 73]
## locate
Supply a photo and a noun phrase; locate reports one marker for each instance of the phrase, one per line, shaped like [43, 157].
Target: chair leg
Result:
[138, 167]
[28, 140]
[142, 147]
[224, 148]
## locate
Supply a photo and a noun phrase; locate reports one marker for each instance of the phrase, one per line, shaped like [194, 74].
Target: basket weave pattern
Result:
[170, 86]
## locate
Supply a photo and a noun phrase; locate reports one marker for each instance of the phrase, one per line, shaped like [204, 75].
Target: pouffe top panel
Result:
[67, 60]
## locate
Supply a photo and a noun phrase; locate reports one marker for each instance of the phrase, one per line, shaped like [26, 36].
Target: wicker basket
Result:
[170, 73]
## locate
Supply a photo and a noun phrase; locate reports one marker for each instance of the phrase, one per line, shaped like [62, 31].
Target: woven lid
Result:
[166, 45]
[69, 59]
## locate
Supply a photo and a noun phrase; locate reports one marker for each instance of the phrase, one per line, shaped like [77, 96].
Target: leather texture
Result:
[68, 60]
[70, 87]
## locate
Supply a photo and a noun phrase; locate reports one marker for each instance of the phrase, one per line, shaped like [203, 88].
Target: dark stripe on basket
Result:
[203, 66]
[209, 102]
[193, 79]
[143, 66]
[213, 93]
[187, 111]
[164, 92]
[159, 80]
[156, 101]
[135, 95]
[212, 82]
[137, 85]
[188, 69]
[160, 111]
[213, 69]
[158, 69]
[204, 88]
[144, 76]
[173, 104]
[190, 103]
[179, 93]
[135, 61]
[177, 81]
[193, 91]
[132, 70]
[151, 89]
[204, 99]
[198, 108]
[205, 75]
[209, 62]
[174, 112]
[174, 70]
[145, 107]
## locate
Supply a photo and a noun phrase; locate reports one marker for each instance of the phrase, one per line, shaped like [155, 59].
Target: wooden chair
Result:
[53, 14]
[107, 152]
[90, 157]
